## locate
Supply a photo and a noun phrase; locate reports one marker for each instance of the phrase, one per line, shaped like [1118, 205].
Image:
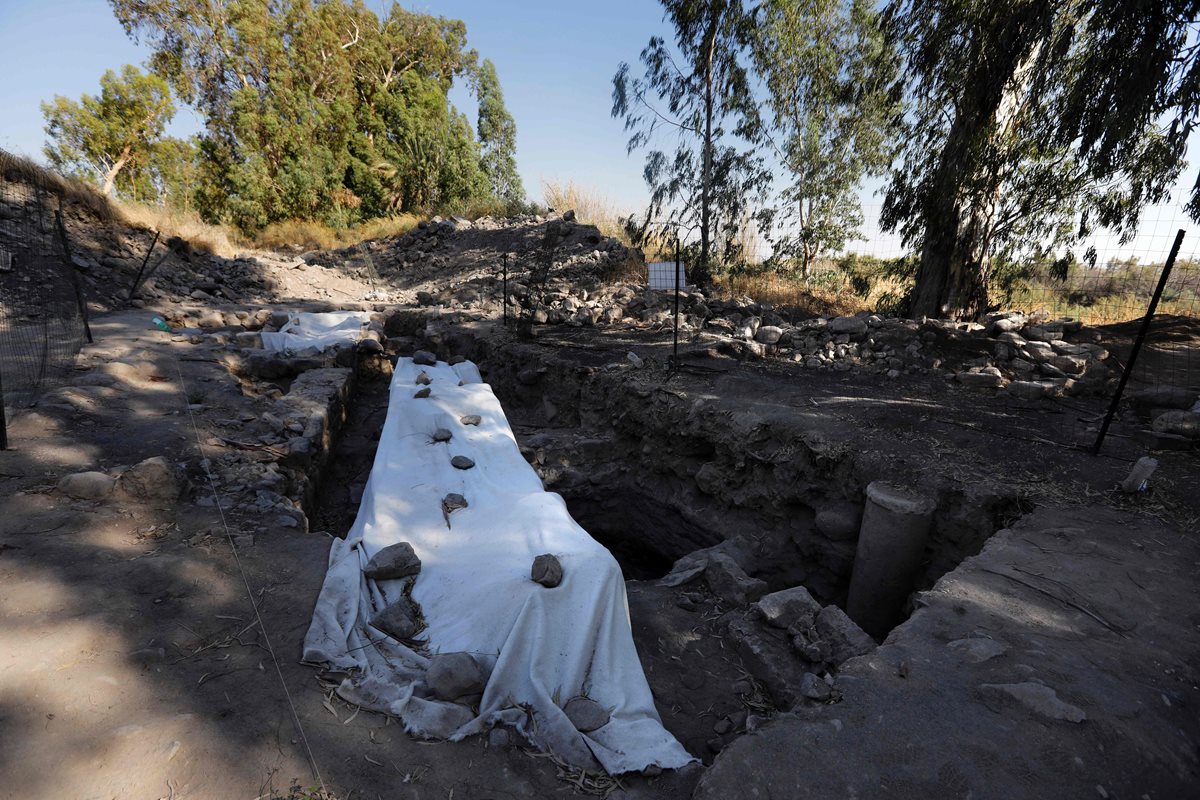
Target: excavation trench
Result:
[658, 474]
[655, 474]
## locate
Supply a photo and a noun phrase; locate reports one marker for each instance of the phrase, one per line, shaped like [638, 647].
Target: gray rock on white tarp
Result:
[470, 419]
[453, 502]
[546, 570]
[455, 676]
[845, 639]
[423, 378]
[399, 620]
[788, 608]
[394, 561]
[424, 358]
[422, 393]
[461, 462]
[442, 435]
[586, 714]
[87, 485]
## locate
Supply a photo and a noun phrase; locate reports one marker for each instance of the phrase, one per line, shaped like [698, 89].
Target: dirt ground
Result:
[152, 652]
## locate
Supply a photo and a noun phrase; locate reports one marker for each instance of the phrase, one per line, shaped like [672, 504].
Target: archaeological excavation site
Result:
[473, 512]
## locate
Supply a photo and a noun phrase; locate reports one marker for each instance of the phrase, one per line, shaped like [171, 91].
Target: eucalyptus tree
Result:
[697, 89]
[106, 137]
[1028, 124]
[497, 138]
[825, 66]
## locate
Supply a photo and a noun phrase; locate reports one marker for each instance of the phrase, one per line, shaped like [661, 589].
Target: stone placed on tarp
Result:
[453, 502]
[470, 419]
[547, 570]
[394, 561]
[87, 485]
[399, 620]
[423, 379]
[424, 358]
[455, 677]
[586, 714]
[441, 435]
[793, 607]
[422, 393]
[461, 462]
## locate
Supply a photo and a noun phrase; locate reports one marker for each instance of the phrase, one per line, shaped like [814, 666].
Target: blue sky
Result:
[555, 61]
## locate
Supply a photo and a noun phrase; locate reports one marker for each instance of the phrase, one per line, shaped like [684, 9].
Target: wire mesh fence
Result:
[42, 324]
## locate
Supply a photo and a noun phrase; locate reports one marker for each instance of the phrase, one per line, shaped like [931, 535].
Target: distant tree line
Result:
[1002, 129]
[311, 110]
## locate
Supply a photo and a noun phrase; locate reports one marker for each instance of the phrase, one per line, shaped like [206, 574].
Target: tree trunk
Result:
[110, 175]
[702, 276]
[953, 271]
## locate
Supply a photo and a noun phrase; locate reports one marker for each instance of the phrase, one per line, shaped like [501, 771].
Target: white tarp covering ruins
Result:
[319, 331]
[543, 646]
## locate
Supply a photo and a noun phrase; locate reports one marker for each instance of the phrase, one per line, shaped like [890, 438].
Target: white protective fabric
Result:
[475, 591]
[306, 329]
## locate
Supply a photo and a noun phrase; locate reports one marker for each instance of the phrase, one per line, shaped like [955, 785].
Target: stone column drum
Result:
[891, 543]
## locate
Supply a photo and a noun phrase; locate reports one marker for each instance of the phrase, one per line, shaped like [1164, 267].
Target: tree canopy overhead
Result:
[321, 110]
[1028, 124]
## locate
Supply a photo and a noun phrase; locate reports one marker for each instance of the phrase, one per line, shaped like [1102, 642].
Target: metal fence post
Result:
[675, 344]
[1137, 345]
[137, 281]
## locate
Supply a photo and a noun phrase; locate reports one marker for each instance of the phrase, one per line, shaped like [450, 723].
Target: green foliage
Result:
[825, 66]
[319, 111]
[497, 138]
[112, 137]
[708, 183]
[1028, 125]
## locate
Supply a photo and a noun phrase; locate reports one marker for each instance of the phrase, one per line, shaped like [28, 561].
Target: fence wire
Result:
[41, 323]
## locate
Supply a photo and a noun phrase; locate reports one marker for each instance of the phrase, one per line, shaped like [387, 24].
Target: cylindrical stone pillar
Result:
[891, 543]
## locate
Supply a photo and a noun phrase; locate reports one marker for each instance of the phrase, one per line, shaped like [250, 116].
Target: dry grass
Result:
[793, 294]
[314, 235]
[589, 206]
[216, 239]
[23, 170]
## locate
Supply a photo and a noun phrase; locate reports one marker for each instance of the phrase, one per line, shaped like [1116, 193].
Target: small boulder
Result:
[441, 435]
[470, 419]
[394, 561]
[769, 334]
[399, 620]
[421, 394]
[424, 358]
[730, 582]
[845, 639]
[155, 481]
[455, 677]
[815, 688]
[461, 462]
[453, 502]
[87, 485]
[788, 608]
[855, 326]
[547, 570]
[423, 379]
[586, 714]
